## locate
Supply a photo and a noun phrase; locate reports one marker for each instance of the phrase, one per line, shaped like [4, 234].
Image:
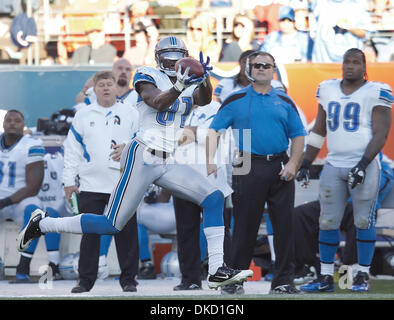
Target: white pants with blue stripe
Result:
[334, 192]
[140, 169]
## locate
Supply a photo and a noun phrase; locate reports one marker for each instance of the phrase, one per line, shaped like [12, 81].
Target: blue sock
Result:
[203, 243]
[105, 242]
[328, 245]
[96, 223]
[270, 230]
[212, 207]
[52, 239]
[143, 243]
[26, 216]
[365, 245]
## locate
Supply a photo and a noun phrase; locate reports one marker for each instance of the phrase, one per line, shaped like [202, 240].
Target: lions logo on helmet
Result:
[168, 51]
[169, 265]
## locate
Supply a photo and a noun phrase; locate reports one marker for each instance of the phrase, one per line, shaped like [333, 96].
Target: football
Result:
[196, 67]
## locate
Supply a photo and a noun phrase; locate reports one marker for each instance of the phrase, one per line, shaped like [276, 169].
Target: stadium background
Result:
[41, 91]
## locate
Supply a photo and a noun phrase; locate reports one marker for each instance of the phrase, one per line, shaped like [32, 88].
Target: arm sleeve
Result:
[74, 152]
[296, 127]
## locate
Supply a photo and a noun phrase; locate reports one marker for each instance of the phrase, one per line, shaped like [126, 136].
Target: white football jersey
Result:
[13, 162]
[161, 130]
[52, 193]
[349, 118]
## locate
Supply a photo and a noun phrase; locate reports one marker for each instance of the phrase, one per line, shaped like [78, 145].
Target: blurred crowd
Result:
[71, 32]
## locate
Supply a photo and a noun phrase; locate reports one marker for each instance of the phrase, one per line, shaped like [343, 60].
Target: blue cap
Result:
[286, 13]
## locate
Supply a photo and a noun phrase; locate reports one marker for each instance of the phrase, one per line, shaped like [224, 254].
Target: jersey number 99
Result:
[351, 116]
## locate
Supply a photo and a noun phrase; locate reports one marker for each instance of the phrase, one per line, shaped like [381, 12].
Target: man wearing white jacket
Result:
[93, 148]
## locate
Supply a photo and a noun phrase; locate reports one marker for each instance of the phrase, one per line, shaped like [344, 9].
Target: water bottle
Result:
[74, 203]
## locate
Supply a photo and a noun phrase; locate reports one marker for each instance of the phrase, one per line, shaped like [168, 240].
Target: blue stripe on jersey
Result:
[36, 151]
[212, 116]
[78, 137]
[386, 96]
[122, 184]
[139, 77]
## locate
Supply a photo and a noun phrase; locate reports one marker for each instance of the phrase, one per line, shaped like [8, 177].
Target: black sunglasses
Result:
[239, 24]
[192, 29]
[262, 65]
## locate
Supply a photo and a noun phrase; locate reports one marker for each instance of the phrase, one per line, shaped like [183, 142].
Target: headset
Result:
[248, 66]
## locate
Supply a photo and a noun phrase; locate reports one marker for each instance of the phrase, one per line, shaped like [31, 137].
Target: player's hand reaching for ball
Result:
[184, 80]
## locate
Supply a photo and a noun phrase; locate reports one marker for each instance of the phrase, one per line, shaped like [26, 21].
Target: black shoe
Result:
[129, 288]
[55, 273]
[31, 231]
[79, 288]
[323, 283]
[234, 288]
[225, 275]
[306, 275]
[187, 286]
[147, 271]
[285, 289]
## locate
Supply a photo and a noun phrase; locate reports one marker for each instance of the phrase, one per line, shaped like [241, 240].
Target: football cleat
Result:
[285, 289]
[146, 271]
[234, 288]
[31, 231]
[187, 286]
[361, 282]
[225, 275]
[308, 274]
[324, 283]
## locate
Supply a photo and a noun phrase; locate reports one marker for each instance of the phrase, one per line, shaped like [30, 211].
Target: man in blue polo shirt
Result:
[264, 120]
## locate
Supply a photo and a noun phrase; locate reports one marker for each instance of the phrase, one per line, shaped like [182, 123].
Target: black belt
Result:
[268, 157]
[160, 154]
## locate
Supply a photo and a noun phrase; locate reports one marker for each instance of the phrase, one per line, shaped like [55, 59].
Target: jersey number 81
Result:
[167, 117]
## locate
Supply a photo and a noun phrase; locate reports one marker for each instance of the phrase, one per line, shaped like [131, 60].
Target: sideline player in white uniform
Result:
[166, 97]
[355, 115]
[21, 174]
[53, 201]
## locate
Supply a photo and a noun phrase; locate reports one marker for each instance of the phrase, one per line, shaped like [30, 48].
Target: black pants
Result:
[188, 218]
[126, 242]
[251, 192]
[306, 235]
